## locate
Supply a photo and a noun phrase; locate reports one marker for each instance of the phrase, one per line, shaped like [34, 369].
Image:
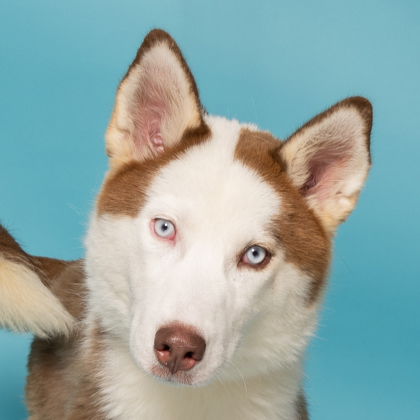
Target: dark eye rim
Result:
[261, 265]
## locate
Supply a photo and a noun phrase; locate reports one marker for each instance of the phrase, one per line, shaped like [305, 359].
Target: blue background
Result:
[275, 63]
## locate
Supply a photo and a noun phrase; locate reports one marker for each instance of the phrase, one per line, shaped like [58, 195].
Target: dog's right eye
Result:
[163, 228]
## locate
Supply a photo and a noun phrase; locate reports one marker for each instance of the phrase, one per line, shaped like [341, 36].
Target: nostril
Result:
[162, 347]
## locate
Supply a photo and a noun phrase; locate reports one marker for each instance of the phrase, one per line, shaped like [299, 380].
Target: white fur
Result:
[256, 323]
[26, 305]
[133, 395]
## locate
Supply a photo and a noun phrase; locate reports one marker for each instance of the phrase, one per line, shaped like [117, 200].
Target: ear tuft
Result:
[157, 101]
[328, 159]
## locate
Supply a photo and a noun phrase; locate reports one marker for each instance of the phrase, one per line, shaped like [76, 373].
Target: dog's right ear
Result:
[157, 101]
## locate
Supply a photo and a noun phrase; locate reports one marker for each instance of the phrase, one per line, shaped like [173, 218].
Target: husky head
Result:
[209, 247]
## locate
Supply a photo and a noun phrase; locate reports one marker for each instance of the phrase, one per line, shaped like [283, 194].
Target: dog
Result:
[207, 256]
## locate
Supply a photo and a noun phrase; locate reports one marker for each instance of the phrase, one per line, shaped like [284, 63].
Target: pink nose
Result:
[179, 347]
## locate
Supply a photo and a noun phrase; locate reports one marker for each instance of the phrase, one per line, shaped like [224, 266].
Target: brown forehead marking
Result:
[125, 189]
[296, 228]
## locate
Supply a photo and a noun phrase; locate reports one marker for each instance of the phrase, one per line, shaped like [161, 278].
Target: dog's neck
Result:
[127, 393]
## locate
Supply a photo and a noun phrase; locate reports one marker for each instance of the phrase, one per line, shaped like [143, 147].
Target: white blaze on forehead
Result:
[212, 190]
[219, 206]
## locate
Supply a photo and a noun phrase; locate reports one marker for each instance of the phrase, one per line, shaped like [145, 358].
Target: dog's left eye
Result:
[255, 255]
[164, 228]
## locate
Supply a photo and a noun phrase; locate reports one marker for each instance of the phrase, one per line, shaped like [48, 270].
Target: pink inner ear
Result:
[148, 120]
[150, 108]
[151, 130]
[327, 167]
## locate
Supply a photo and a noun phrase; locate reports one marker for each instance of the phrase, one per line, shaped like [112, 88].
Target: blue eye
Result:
[255, 255]
[164, 228]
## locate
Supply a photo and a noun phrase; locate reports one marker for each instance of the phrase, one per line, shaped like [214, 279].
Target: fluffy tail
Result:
[27, 303]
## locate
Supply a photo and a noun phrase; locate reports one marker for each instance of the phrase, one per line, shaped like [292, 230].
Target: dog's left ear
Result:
[328, 159]
[157, 101]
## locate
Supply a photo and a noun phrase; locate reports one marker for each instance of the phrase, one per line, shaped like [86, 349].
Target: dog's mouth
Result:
[180, 377]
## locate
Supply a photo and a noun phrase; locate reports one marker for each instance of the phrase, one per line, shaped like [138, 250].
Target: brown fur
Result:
[124, 189]
[11, 250]
[46, 268]
[57, 383]
[61, 382]
[302, 408]
[297, 229]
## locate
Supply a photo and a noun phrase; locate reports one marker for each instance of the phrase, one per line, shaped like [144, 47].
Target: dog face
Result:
[210, 243]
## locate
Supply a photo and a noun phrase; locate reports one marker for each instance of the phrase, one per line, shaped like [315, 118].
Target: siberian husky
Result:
[206, 260]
